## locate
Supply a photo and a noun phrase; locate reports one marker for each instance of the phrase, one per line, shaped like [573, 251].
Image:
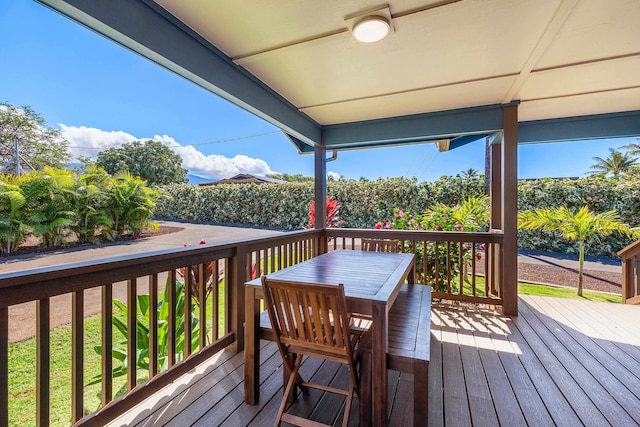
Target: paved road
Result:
[191, 234]
[612, 265]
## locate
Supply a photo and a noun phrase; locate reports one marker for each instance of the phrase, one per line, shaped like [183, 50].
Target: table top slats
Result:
[366, 275]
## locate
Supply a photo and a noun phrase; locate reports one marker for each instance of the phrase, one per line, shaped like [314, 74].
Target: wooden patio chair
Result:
[380, 245]
[311, 320]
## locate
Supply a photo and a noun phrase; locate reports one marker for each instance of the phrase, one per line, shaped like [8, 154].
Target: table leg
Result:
[251, 347]
[379, 365]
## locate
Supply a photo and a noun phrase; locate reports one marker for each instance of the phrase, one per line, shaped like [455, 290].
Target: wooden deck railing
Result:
[234, 263]
[459, 266]
[631, 273]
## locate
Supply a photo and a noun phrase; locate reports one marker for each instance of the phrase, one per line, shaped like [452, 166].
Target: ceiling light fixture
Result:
[371, 29]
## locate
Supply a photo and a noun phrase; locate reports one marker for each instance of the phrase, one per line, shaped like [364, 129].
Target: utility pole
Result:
[17, 154]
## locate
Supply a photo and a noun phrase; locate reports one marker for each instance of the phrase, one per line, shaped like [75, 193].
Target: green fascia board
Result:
[144, 27]
[416, 128]
[598, 126]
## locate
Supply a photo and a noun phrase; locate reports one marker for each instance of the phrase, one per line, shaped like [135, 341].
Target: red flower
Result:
[479, 255]
[378, 226]
[458, 227]
[438, 227]
[254, 272]
[482, 247]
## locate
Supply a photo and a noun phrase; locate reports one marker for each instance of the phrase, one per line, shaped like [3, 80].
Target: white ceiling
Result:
[559, 58]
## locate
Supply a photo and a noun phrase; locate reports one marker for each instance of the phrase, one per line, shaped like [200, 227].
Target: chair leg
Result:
[347, 407]
[286, 373]
[288, 390]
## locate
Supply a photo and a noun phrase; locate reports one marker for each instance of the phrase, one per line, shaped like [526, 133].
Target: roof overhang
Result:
[573, 73]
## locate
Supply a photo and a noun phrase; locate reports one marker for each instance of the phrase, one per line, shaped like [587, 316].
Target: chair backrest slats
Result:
[308, 315]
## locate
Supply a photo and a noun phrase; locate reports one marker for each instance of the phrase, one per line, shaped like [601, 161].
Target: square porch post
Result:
[510, 210]
[320, 193]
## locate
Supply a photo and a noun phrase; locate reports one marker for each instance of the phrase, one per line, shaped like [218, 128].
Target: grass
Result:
[571, 293]
[22, 376]
[540, 290]
[22, 371]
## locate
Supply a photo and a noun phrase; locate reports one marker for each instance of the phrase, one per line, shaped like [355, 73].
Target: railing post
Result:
[626, 275]
[237, 279]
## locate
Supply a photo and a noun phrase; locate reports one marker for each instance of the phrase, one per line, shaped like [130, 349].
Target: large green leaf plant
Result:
[119, 351]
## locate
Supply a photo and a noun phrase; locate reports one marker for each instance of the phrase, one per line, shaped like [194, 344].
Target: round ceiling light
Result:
[371, 29]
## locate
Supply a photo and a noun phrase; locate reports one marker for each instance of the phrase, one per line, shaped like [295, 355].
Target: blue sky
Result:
[101, 95]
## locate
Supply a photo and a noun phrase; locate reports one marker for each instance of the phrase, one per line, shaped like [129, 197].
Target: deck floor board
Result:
[562, 362]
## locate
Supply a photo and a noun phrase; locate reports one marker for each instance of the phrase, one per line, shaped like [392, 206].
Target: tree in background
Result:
[291, 178]
[576, 226]
[616, 163]
[151, 160]
[633, 148]
[38, 145]
[470, 174]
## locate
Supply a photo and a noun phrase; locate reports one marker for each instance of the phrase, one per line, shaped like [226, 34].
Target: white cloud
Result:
[89, 141]
[333, 175]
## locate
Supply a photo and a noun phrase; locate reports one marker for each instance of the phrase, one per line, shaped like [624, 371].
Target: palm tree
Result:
[633, 148]
[470, 174]
[576, 226]
[615, 164]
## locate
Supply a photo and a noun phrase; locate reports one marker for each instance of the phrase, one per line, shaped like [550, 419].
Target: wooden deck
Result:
[562, 362]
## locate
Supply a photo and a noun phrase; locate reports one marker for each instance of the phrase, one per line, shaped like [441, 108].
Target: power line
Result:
[426, 156]
[220, 141]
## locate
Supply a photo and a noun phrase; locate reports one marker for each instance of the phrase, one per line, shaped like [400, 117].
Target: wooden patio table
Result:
[372, 281]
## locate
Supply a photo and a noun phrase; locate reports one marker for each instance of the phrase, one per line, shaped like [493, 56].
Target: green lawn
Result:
[22, 371]
[559, 292]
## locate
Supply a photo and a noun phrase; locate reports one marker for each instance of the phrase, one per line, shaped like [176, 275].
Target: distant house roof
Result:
[245, 178]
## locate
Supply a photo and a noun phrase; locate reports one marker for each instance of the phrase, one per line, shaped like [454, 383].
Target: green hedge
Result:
[364, 203]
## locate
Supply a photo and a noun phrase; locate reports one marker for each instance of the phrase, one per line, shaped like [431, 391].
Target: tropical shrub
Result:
[364, 203]
[53, 204]
[472, 215]
[119, 351]
[49, 194]
[333, 214]
[13, 230]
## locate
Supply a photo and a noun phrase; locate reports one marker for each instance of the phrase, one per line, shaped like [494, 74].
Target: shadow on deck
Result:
[562, 362]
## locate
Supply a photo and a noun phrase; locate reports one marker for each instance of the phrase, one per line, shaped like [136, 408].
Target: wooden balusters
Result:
[107, 343]
[77, 355]
[132, 327]
[4, 366]
[153, 325]
[43, 359]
